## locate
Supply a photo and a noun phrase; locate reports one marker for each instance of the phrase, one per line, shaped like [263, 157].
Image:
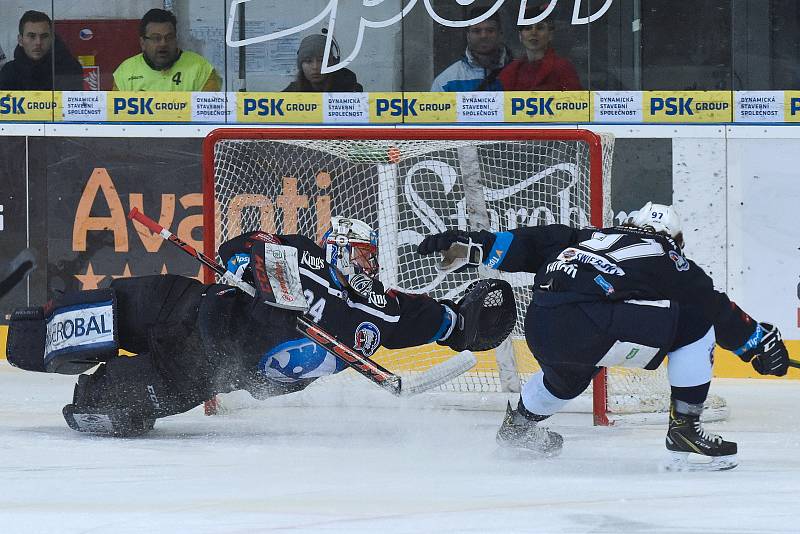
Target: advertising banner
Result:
[759, 106]
[568, 107]
[93, 183]
[269, 108]
[429, 107]
[480, 106]
[687, 106]
[214, 107]
[345, 108]
[84, 106]
[28, 106]
[791, 106]
[149, 106]
[547, 106]
[617, 106]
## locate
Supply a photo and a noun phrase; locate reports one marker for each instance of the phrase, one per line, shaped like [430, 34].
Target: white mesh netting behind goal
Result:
[409, 183]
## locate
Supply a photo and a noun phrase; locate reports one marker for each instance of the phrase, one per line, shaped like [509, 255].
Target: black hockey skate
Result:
[692, 448]
[520, 431]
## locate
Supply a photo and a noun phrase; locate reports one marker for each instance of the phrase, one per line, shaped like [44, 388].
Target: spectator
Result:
[482, 61]
[162, 66]
[542, 69]
[309, 64]
[38, 55]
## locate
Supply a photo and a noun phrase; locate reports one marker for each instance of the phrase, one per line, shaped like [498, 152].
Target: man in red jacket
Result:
[541, 69]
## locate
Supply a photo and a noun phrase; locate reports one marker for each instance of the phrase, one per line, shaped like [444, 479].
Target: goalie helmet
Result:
[351, 246]
[660, 219]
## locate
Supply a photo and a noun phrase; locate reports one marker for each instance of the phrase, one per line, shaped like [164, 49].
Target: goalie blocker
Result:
[67, 337]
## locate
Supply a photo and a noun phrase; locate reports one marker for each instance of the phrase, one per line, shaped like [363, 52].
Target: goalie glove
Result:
[765, 351]
[485, 317]
[459, 249]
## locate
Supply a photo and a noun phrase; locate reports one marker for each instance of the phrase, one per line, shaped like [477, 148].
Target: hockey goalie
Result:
[191, 341]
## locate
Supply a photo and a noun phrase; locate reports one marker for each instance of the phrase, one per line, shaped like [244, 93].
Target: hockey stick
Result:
[18, 269]
[401, 386]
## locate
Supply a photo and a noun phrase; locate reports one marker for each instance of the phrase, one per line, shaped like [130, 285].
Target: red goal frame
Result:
[593, 141]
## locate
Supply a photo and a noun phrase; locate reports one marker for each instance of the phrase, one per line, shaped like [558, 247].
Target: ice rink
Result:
[392, 469]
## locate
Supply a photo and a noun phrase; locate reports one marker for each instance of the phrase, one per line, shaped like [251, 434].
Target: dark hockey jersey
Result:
[388, 319]
[619, 263]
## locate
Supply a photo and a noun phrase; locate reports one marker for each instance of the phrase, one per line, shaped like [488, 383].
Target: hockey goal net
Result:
[409, 183]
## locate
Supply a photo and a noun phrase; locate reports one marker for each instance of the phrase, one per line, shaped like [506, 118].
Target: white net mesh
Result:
[408, 189]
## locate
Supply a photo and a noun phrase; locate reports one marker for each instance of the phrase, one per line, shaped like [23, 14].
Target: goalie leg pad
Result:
[121, 396]
[105, 421]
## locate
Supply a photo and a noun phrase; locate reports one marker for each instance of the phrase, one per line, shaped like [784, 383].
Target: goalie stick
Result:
[400, 386]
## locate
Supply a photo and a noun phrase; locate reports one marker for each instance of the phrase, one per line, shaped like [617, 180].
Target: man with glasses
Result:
[40, 55]
[162, 66]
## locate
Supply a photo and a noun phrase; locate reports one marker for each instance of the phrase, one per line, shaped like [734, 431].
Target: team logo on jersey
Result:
[378, 300]
[680, 262]
[314, 262]
[298, 359]
[567, 254]
[367, 338]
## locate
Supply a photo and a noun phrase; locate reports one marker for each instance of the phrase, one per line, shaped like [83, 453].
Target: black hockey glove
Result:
[769, 355]
[485, 316]
[470, 253]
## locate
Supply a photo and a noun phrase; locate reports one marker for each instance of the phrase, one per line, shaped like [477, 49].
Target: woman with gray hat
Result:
[309, 64]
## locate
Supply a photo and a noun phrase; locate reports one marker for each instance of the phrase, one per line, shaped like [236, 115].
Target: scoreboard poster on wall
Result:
[386, 108]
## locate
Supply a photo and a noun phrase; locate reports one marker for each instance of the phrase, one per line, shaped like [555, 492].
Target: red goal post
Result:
[407, 182]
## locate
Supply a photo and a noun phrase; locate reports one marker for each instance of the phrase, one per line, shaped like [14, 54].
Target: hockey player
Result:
[621, 296]
[192, 341]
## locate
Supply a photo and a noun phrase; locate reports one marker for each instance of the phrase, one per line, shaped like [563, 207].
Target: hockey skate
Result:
[692, 448]
[524, 434]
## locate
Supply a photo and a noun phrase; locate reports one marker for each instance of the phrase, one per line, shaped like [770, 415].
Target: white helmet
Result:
[659, 218]
[351, 246]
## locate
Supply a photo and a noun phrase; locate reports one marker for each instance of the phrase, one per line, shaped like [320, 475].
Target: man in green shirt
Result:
[162, 66]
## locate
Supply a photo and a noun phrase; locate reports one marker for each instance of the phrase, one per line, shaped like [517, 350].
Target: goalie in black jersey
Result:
[192, 341]
[621, 296]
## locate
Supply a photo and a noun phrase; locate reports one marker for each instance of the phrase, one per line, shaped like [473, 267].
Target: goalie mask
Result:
[351, 246]
[660, 219]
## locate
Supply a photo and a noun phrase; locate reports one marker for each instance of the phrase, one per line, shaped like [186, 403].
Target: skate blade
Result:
[518, 453]
[686, 461]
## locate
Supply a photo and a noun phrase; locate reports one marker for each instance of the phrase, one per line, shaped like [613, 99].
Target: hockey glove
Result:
[765, 351]
[459, 249]
[484, 317]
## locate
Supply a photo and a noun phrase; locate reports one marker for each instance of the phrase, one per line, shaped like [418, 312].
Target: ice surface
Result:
[392, 469]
